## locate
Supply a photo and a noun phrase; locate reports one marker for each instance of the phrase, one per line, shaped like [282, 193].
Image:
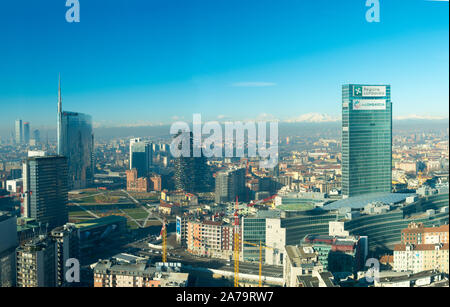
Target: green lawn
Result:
[297, 207]
[136, 213]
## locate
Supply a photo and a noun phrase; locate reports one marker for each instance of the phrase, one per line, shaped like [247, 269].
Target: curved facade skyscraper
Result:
[76, 142]
[366, 139]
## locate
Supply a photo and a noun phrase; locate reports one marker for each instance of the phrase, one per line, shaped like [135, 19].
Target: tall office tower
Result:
[19, 131]
[366, 139]
[45, 190]
[8, 244]
[76, 142]
[37, 263]
[229, 184]
[192, 174]
[140, 156]
[67, 245]
[36, 136]
[26, 132]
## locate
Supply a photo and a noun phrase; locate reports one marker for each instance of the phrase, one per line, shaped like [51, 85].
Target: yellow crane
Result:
[164, 242]
[237, 244]
[261, 246]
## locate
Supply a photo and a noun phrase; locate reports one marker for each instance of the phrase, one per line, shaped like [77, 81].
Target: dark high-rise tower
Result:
[76, 142]
[366, 139]
[26, 132]
[45, 188]
[229, 184]
[192, 174]
[36, 136]
[140, 156]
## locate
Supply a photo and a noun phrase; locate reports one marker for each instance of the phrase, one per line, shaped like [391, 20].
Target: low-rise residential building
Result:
[156, 183]
[422, 248]
[421, 257]
[317, 279]
[113, 273]
[339, 254]
[168, 209]
[416, 233]
[210, 238]
[299, 261]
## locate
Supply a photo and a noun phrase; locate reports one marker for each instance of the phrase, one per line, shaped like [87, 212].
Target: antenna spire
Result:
[59, 95]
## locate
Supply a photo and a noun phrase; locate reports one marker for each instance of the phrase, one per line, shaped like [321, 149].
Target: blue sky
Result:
[134, 62]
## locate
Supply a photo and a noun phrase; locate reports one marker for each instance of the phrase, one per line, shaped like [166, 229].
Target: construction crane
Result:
[261, 246]
[164, 241]
[236, 244]
[263, 200]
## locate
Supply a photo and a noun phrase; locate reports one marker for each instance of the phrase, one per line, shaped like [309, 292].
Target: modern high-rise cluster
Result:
[23, 133]
[312, 221]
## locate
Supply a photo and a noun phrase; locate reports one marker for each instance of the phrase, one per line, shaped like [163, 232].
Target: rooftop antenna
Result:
[59, 94]
[59, 118]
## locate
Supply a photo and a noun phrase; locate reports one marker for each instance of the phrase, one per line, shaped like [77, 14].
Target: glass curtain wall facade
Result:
[366, 139]
[77, 144]
[18, 131]
[254, 231]
[141, 156]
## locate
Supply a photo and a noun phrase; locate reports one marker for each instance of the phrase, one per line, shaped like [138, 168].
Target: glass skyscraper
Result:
[366, 139]
[19, 131]
[76, 142]
[140, 156]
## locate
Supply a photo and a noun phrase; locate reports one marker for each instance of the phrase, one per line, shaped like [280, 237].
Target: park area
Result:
[90, 204]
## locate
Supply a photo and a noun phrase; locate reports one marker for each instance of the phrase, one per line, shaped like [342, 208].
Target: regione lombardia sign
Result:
[369, 91]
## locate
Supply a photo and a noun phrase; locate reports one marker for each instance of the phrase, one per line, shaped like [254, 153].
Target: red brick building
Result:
[135, 184]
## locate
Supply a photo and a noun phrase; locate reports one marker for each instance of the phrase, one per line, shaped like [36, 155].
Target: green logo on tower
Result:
[357, 91]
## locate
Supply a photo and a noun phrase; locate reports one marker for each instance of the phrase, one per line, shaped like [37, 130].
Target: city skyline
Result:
[207, 144]
[288, 66]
